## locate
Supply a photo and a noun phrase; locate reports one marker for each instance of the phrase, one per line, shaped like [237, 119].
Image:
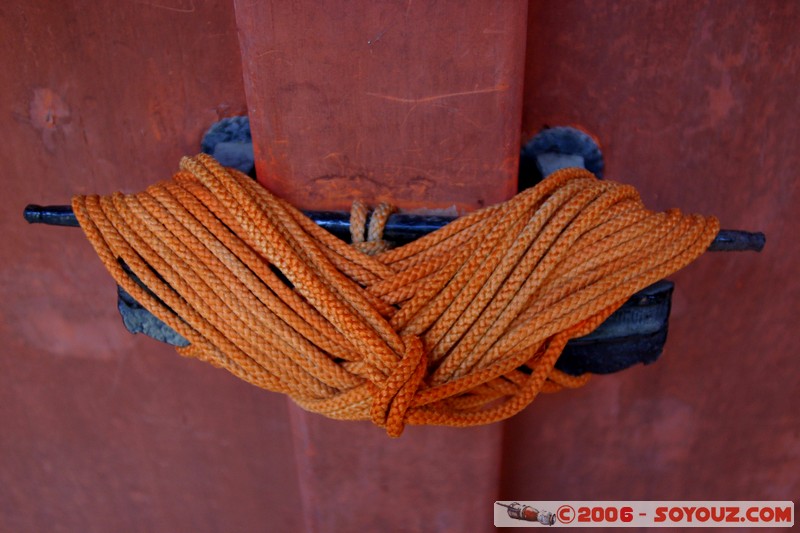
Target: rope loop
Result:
[461, 327]
[358, 220]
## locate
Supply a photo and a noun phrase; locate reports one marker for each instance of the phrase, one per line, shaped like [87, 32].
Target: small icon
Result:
[565, 514]
[525, 512]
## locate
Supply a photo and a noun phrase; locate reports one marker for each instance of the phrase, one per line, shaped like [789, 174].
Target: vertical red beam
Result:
[419, 104]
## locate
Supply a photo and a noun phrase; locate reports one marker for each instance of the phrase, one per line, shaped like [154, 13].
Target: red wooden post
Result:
[414, 103]
[418, 104]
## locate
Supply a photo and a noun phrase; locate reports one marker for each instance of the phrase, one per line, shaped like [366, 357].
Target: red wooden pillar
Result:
[419, 104]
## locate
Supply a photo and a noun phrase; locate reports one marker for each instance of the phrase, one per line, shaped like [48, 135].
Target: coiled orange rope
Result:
[459, 328]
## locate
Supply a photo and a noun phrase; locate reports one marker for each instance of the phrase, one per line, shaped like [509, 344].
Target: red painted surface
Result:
[696, 104]
[101, 430]
[416, 103]
[355, 478]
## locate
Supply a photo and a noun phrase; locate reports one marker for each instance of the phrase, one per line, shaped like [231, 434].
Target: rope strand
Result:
[461, 327]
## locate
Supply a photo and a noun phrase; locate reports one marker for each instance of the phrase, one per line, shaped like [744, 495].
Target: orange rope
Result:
[461, 327]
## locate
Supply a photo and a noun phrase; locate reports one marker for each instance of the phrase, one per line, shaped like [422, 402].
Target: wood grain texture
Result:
[101, 430]
[694, 103]
[417, 103]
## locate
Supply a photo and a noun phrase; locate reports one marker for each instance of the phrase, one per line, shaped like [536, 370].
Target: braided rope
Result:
[461, 327]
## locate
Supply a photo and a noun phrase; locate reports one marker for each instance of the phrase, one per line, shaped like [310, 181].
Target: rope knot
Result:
[374, 243]
[392, 398]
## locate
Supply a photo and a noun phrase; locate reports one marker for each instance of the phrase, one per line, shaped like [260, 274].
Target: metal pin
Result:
[400, 228]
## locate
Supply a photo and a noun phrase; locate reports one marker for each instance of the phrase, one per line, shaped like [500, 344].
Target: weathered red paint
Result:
[695, 104]
[101, 430]
[415, 103]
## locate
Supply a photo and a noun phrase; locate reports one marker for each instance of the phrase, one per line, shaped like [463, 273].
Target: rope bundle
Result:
[459, 328]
